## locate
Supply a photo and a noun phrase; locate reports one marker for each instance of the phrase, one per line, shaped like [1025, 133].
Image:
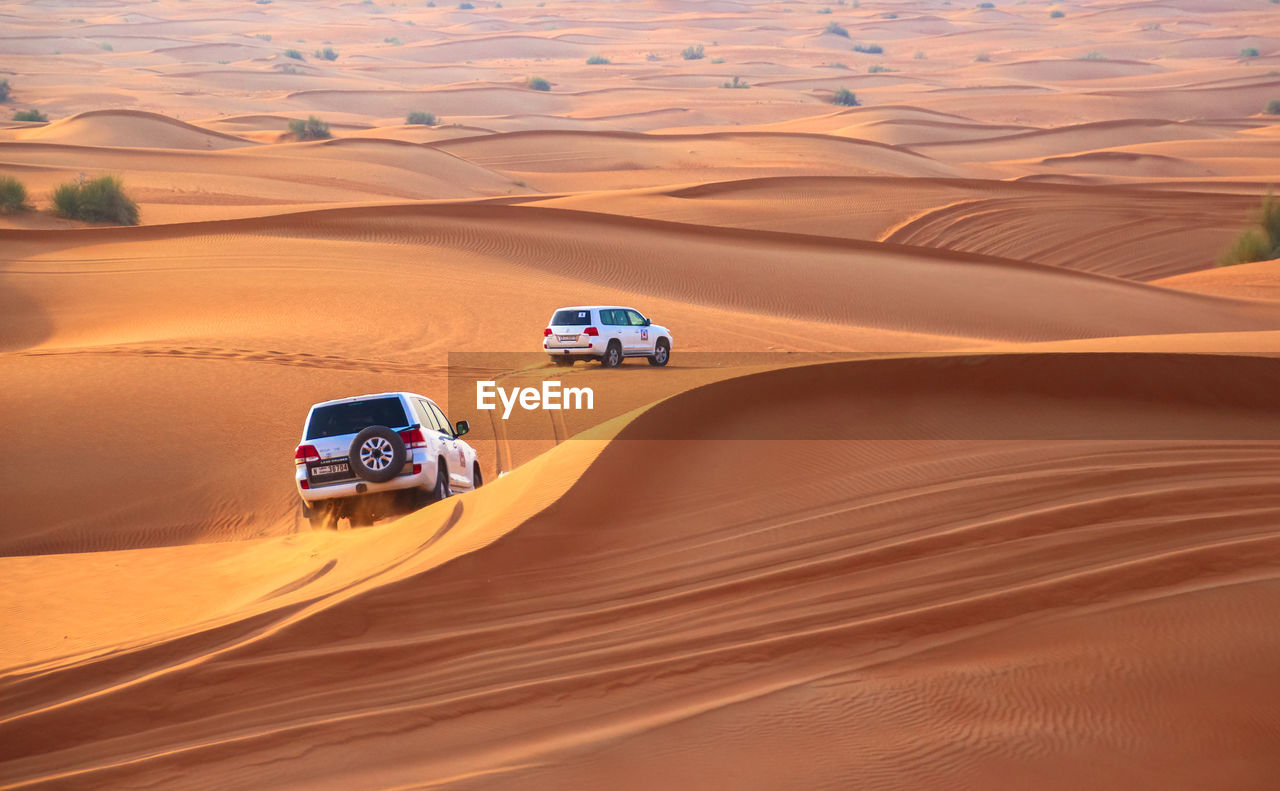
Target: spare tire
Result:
[377, 454]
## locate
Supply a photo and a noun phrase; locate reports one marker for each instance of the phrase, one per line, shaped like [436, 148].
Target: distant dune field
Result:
[963, 474]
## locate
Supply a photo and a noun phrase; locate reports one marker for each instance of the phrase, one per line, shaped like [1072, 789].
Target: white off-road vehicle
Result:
[606, 333]
[374, 455]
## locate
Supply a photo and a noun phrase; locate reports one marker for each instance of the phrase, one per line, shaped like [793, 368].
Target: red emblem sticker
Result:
[644, 334]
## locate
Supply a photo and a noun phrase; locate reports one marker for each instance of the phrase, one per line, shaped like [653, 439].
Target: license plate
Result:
[329, 470]
[567, 338]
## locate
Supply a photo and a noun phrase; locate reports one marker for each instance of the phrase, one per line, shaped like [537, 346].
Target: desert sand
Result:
[965, 473]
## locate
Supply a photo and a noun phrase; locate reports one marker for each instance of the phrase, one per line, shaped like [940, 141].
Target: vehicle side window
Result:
[635, 319]
[611, 317]
[444, 421]
[429, 419]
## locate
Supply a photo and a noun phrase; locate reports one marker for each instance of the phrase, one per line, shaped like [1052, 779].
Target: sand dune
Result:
[130, 128]
[961, 476]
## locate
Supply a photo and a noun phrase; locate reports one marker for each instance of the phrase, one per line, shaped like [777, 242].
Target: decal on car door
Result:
[644, 334]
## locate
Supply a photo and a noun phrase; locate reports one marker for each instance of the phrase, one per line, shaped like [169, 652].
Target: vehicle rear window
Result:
[350, 418]
[571, 317]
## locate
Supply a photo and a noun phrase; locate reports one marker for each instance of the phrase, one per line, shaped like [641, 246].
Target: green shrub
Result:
[835, 28]
[983, 57]
[717, 60]
[100, 200]
[263, 36]
[1094, 55]
[538, 84]
[328, 53]
[311, 129]
[423, 119]
[986, 5]
[835, 64]
[13, 195]
[920, 55]
[692, 53]
[106, 46]
[737, 83]
[1260, 243]
[465, 6]
[293, 53]
[869, 49]
[4, 90]
[1057, 13]
[597, 60]
[845, 98]
[1273, 107]
[652, 57]
[1249, 52]
[878, 69]
[289, 68]
[392, 40]
[824, 10]
[30, 115]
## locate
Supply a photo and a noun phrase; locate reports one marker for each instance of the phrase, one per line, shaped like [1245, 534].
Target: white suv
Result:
[604, 333]
[373, 455]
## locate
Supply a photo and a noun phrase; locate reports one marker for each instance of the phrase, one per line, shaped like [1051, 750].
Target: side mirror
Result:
[647, 322]
[463, 428]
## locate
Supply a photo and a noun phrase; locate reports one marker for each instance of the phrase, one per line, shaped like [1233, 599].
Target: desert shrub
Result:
[652, 56]
[836, 29]
[692, 53]
[311, 129]
[538, 84]
[4, 90]
[717, 60]
[263, 36]
[1057, 13]
[423, 119]
[845, 98]
[106, 46]
[878, 69]
[986, 5]
[13, 195]
[431, 3]
[920, 55]
[1273, 107]
[597, 60]
[465, 6]
[837, 65]
[289, 68]
[395, 42]
[1259, 243]
[824, 10]
[1249, 52]
[293, 53]
[100, 200]
[30, 115]
[1094, 55]
[328, 53]
[869, 49]
[889, 16]
[983, 57]
[737, 83]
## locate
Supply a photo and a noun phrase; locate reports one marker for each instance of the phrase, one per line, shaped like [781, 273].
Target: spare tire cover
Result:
[377, 454]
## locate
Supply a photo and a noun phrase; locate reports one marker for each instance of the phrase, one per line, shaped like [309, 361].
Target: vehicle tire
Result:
[322, 516]
[661, 353]
[377, 454]
[612, 356]
[476, 479]
[563, 362]
[442, 490]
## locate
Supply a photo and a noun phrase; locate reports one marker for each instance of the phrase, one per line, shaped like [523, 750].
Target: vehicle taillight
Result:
[546, 332]
[413, 438]
[305, 453]
[591, 331]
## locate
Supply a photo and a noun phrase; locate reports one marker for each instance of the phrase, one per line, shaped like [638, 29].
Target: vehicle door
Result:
[642, 339]
[456, 456]
[613, 324]
[439, 433]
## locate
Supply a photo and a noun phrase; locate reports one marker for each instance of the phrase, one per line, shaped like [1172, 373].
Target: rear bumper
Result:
[426, 479]
[591, 348]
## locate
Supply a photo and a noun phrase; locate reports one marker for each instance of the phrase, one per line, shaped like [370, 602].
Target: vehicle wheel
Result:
[377, 454]
[661, 354]
[612, 356]
[361, 513]
[563, 362]
[322, 516]
[476, 480]
[441, 490]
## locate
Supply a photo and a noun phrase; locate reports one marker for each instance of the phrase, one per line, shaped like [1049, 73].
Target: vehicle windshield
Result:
[571, 318]
[353, 417]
